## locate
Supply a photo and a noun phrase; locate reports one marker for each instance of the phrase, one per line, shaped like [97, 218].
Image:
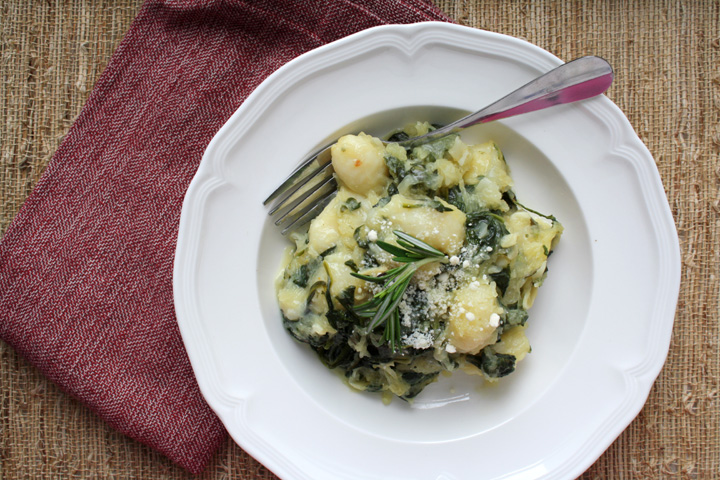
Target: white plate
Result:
[600, 328]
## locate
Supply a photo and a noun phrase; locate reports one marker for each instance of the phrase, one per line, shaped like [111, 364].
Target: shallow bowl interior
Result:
[539, 185]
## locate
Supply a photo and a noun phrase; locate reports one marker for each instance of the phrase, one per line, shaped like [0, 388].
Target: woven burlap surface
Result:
[667, 61]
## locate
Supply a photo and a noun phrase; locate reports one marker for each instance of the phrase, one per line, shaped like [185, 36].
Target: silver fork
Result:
[306, 192]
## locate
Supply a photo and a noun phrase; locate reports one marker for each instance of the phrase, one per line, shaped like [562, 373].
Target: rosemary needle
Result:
[383, 306]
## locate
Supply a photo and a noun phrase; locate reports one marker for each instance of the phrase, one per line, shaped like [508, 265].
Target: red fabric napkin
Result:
[86, 266]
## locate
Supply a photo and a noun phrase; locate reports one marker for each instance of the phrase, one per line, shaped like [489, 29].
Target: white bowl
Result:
[600, 328]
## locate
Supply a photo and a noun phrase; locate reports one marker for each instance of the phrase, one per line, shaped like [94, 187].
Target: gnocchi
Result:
[358, 161]
[423, 263]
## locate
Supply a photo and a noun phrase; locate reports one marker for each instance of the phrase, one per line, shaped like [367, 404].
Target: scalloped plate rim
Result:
[209, 176]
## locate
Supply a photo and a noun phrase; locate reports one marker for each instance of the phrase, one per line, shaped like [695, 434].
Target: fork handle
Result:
[579, 79]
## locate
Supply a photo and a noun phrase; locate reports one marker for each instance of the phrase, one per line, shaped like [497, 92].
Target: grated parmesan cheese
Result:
[419, 340]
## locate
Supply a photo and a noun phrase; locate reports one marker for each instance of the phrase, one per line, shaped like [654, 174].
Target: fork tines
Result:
[304, 194]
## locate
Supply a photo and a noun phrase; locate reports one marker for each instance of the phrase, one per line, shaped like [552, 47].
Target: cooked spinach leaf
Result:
[396, 167]
[369, 260]
[347, 297]
[417, 381]
[437, 205]
[501, 279]
[313, 290]
[513, 317]
[516, 317]
[456, 197]
[360, 236]
[383, 201]
[463, 198]
[350, 205]
[294, 328]
[398, 137]
[301, 276]
[336, 352]
[509, 198]
[485, 229]
[434, 150]
[493, 364]
[420, 181]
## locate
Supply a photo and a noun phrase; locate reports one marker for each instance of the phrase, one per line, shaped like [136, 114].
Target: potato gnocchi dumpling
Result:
[423, 263]
[358, 161]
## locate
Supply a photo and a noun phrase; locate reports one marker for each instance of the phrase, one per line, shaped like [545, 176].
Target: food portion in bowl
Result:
[423, 263]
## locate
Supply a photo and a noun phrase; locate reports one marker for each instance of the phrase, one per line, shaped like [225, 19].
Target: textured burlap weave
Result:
[667, 61]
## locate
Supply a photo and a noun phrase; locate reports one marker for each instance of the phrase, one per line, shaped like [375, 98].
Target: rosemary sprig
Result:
[383, 306]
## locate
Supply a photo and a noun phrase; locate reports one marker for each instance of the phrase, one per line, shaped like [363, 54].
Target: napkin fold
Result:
[86, 266]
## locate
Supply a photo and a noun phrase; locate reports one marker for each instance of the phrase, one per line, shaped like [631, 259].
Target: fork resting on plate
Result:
[312, 185]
